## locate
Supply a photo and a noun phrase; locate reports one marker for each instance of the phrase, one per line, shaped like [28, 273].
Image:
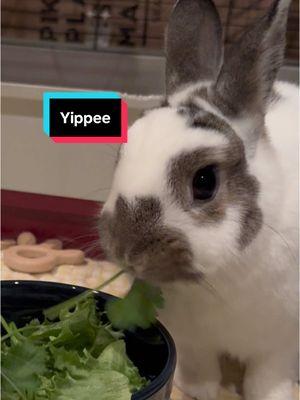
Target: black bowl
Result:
[152, 350]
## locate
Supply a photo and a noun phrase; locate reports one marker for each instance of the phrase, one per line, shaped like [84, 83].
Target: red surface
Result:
[72, 220]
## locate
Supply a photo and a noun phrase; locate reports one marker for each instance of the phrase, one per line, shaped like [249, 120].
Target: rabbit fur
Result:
[227, 265]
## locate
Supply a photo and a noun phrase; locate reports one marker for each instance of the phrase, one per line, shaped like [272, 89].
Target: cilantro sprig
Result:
[137, 309]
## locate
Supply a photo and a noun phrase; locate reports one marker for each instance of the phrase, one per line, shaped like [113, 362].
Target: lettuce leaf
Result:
[21, 365]
[107, 385]
[75, 353]
[75, 357]
[114, 358]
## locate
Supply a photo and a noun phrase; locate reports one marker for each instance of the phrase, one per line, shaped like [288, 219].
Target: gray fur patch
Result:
[251, 65]
[136, 237]
[193, 44]
[235, 187]
[274, 98]
[200, 118]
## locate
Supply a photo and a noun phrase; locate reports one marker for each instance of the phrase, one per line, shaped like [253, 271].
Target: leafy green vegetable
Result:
[74, 353]
[114, 358]
[105, 385]
[71, 358]
[137, 309]
[63, 308]
[22, 363]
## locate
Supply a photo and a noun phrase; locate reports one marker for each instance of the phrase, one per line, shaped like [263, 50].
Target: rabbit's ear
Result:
[193, 44]
[245, 83]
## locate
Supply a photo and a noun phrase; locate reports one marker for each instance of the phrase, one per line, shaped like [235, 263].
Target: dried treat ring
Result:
[5, 244]
[30, 258]
[69, 256]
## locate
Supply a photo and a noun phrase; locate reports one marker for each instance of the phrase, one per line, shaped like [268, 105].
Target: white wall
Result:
[31, 162]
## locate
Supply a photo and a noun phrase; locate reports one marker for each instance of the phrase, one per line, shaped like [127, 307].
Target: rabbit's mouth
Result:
[158, 273]
[135, 236]
[163, 256]
[165, 259]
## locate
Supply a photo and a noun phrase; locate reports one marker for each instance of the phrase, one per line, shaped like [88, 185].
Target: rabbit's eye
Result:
[205, 183]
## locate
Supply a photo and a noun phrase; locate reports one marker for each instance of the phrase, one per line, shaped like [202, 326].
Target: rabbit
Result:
[204, 203]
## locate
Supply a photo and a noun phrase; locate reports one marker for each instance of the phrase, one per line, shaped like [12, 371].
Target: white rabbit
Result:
[204, 202]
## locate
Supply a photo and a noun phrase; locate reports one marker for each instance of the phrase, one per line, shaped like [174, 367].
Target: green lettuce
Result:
[75, 353]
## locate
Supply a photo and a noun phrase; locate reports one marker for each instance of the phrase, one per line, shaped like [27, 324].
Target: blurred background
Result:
[109, 44]
[56, 190]
[91, 44]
